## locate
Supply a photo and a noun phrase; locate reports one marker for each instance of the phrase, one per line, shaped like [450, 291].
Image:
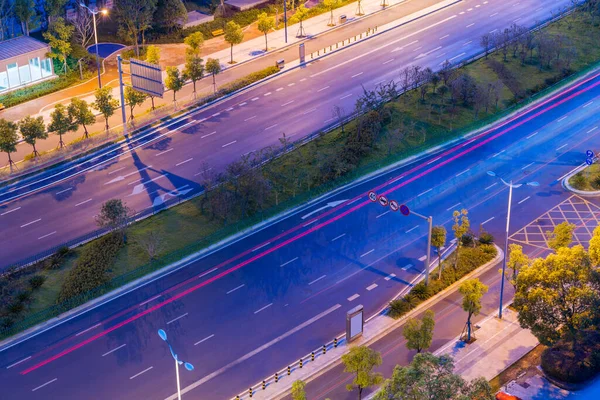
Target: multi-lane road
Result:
[60, 205]
[246, 310]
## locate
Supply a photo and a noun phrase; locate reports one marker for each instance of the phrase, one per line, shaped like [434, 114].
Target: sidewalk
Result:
[250, 57]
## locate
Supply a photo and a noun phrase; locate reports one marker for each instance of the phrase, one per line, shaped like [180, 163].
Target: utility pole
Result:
[122, 93]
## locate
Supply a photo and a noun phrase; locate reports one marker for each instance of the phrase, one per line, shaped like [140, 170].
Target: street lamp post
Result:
[510, 186]
[428, 261]
[94, 12]
[187, 365]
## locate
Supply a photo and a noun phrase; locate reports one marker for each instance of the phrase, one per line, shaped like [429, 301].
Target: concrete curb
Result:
[322, 365]
[584, 193]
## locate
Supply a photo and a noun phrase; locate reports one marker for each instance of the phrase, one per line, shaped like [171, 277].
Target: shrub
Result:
[420, 291]
[247, 80]
[23, 296]
[6, 322]
[55, 261]
[38, 90]
[578, 181]
[16, 307]
[91, 268]
[467, 240]
[573, 364]
[486, 238]
[37, 281]
[596, 182]
[399, 307]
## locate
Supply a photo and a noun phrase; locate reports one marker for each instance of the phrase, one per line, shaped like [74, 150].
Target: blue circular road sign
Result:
[589, 154]
[589, 161]
[404, 210]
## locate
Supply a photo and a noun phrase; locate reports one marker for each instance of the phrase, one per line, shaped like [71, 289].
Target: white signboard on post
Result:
[146, 77]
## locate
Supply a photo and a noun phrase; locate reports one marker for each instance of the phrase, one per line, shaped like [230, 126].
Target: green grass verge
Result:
[407, 127]
[588, 179]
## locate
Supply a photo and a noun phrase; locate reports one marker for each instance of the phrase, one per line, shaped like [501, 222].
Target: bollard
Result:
[276, 377]
[330, 47]
[367, 33]
[264, 385]
[237, 397]
[337, 45]
[250, 392]
[300, 363]
[312, 358]
[289, 370]
[334, 343]
[361, 35]
[324, 349]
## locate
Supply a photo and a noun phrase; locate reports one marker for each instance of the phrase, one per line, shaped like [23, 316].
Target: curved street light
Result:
[511, 186]
[94, 13]
[178, 362]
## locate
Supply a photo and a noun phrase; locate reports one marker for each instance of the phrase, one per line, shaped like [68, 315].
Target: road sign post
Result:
[122, 93]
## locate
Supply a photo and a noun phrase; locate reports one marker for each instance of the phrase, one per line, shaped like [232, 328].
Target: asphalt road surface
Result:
[256, 305]
[43, 213]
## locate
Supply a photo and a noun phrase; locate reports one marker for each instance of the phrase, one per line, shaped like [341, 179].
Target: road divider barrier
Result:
[343, 43]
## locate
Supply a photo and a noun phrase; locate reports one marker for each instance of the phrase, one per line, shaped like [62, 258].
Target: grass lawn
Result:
[410, 126]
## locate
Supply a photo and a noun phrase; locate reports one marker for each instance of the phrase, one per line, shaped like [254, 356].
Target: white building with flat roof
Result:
[24, 61]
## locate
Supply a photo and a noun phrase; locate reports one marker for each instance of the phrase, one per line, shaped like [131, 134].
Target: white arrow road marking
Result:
[182, 191]
[121, 177]
[329, 205]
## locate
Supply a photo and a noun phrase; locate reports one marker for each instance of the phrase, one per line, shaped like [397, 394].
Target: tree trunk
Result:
[360, 389]
[439, 263]
[60, 141]
[231, 54]
[152, 99]
[214, 84]
[266, 44]
[469, 328]
[106, 121]
[194, 83]
[35, 152]
[85, 131]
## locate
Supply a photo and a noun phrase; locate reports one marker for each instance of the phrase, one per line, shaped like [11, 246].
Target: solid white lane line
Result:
[589, 103]
[288, 262]
[491, 186]
[116, 170]
[208, 134]
[561, 119]
[254, 352]
[498, 153]
[525, 199]
[487, 220]
[466, 170]
[204, 340]
[139, 373]
[207, 272]
[412, 229]
[113, 350]
[230, 143]
[564, 145]
[346, 96]
[175, 319]
[367, 253]
[310, 223]
[87, 330]
[183, 162]
[149, 300]
[270, 127]
[18, 362]
[47, 383]
[323, 88]
[338, 237]
[234, 289]
[261, 246]
[359, 74]
[455, 57]
[427, 191]
[397, 179]
[389, 277]
[532, 135]
[163, 152]
[592, 130]
[451, 207]
[13, 210]
[381, 215]
[264, 308]
[527, 166]
[354, 297]
[63, 191]
[83, 202]
[373, 286]
[309, 111]
[252, 117]
[32, 222]
[317, 280]
[434, 160]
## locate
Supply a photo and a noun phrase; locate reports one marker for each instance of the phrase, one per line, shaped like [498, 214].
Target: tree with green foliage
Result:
[594, 247]
[59, 37]
[115, 215]
[170, 14]
[298, 390]
[299, 16]
[213, 67]
[432, 378]
[556, 296]
[61, 123]
[33, 129]
[134, 18]
[174, 81]
[80, 112]
[472, 291]
[419, 332]
[8, 139]
[233, 35]
[105, 103]
[153, 54]
[265, 24]
[134, 98]
[53, 10]
[460, 227]
[360, 362]
[194, 42]
[438, 240]
[331, 5]
[25, 12]
[194, 70]
[516, 260]
[561, 236]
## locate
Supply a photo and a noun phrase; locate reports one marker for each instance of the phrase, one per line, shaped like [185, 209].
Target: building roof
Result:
[20, 45]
